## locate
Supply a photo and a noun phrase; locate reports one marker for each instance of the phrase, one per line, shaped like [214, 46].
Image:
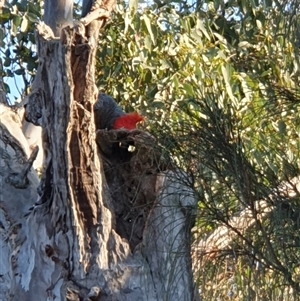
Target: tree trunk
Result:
[108, 222]
[58, 14]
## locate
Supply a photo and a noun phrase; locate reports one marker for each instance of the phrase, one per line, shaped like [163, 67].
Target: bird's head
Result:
[128, 121]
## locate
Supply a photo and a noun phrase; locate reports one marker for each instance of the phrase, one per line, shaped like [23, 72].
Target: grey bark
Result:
[110, 222]
[58, 14]
[33, 135]
[14, 201]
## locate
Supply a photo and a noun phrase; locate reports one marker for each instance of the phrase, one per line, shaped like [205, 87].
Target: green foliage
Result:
[221, 94]
[17, 41]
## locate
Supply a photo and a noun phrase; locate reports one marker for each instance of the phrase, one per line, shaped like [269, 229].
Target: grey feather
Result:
[106, 112]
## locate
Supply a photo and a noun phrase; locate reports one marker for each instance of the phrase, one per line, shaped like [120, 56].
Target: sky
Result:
[16, 86]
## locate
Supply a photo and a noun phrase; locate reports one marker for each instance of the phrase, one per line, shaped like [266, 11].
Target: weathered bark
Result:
[127, 238]
[33, 135]
[58, 14]
[18, 192]
[167, 238]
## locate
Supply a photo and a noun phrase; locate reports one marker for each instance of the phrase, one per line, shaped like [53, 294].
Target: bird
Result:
[128, 121]
[108, 115]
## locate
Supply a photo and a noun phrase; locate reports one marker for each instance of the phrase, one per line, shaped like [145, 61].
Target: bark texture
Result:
[111, 222]
[58, 14]
[18, 192]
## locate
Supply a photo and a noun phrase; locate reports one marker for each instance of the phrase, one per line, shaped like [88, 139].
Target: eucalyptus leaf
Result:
[149, 28]
[19, 71]
[189, 89]
[148, 76]
[32, 17]
[133, 4]
[201, 26]
[148, 42]
[7, 62]
[24, 24]
[17, 21]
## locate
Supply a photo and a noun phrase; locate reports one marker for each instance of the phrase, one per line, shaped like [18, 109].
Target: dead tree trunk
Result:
[108, 223]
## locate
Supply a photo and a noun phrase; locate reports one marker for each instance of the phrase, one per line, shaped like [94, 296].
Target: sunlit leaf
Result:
[259, 25]
[133, 4]
[188, 88]
[24, 24]
[201, 26]
[148, 42]
[165, 64]
[149, 28]
[244, 44]
[127, 21]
